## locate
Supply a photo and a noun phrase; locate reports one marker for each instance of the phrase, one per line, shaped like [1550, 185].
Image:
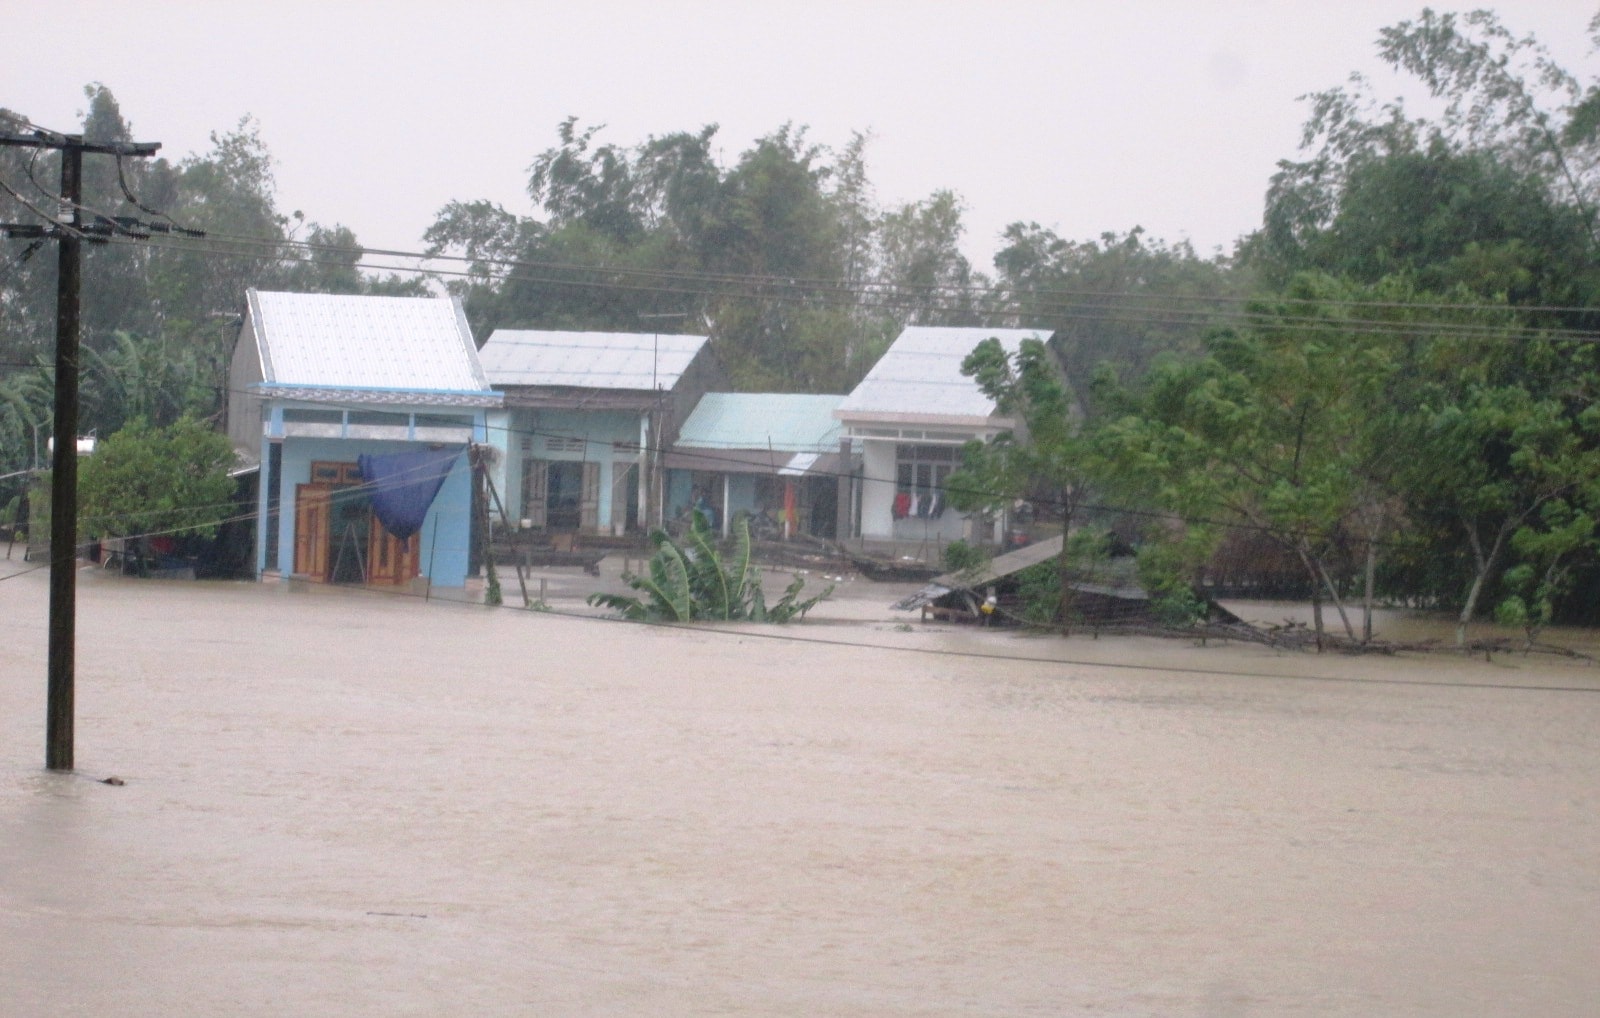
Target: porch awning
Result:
[760, 461]
[820, 464]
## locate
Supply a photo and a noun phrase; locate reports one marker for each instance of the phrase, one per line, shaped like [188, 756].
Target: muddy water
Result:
[360, 805]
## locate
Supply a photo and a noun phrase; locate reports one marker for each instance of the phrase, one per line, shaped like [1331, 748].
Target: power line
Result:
[870, 285]
[867, 298]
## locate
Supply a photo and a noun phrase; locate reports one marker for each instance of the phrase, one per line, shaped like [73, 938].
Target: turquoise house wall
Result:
[599, 430]
[680, 492]
[740, 492]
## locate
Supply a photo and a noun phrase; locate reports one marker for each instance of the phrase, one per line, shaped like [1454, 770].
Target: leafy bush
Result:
[1530, 606]
[1164, 571]
[1039, 590]
[693, 581]
[961, 557]
[1178, 607]
[145, 481]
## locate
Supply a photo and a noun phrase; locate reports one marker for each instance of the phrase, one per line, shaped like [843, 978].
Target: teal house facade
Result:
[774, 457]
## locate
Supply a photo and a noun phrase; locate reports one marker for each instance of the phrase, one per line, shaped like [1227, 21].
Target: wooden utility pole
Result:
[69, 231]
[60, 712]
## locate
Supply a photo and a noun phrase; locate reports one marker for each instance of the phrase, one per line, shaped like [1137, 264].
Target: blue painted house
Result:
[359, 411]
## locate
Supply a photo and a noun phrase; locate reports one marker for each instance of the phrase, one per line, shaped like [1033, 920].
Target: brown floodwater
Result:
[340, 803]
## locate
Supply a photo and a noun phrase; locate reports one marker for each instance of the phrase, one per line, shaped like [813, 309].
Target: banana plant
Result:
[695, 581]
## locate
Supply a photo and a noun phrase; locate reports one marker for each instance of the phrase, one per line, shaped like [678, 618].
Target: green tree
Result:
[767, 255]
[920, 245]
[129, 378]
[26, 401]
[1046, 456]
[159, 319]
[1122, 300]
[1508, 467]
[1270, 431]
[146, 480]
[1497, 192]
[595, 188]
[1546, 552]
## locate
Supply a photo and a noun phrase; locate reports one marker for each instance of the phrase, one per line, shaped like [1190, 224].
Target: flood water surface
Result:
[340, 803]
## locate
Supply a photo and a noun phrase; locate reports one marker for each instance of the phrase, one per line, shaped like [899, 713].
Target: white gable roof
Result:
[588, 360]
[919, 377]
[337, 341]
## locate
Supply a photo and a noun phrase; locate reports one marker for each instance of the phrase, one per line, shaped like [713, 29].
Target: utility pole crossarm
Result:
[49, 139]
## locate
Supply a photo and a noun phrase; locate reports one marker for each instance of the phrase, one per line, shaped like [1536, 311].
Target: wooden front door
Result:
[390, 561]
[330, 516]
[313, 505]
[589, 501]
[535, 492]
[624, 489]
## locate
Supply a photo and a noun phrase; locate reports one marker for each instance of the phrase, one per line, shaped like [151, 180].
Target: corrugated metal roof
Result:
[781, 422]
[359, 342]
[589, 360]
[920, 373]
[1009, 564]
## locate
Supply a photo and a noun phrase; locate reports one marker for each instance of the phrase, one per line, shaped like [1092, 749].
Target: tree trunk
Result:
[1338, 602]
[1484, 564]
[1366, 596]
[1320, 582]
[1064, 574]
[491, 589]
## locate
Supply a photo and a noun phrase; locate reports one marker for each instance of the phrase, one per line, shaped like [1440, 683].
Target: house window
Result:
[298, 415]
[920, 474]
[441, 421]
[563, 443]
[328, 472]
[381, 418]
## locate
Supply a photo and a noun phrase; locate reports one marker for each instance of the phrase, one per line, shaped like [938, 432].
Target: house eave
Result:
[991, 423]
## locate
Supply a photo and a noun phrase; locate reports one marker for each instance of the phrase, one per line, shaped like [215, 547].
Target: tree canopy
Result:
[146, 480]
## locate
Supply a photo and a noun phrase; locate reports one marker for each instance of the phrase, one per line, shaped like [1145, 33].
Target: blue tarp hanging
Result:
[404, 485]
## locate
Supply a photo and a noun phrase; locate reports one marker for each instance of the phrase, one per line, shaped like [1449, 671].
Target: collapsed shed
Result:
[991, 594]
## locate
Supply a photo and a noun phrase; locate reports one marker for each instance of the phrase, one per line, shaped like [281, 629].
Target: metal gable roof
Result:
[920, 373]
[588, 360]
[359, 342]
[782, 422]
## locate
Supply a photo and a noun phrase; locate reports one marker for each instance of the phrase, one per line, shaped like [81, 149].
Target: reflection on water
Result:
[356, 805]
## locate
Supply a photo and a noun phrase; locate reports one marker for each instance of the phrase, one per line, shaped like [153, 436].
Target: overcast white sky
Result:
[1085, 117]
